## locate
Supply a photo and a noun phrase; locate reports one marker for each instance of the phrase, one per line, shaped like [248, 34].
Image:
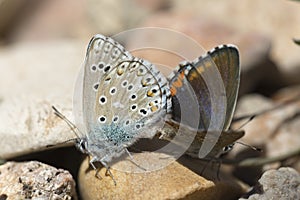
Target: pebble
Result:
[35, 180]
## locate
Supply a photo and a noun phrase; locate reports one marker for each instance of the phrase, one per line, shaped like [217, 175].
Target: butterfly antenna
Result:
[245, 123]
[250, 146]
[64, 142]
[72, 126]
[133, 161]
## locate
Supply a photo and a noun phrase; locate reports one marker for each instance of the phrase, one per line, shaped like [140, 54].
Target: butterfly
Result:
[118, 99]
[188, 84]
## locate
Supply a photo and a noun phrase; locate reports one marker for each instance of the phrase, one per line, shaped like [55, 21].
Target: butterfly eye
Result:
[81, 144]
[228, 148]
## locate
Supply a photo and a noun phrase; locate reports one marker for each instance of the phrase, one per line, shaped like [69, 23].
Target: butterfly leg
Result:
[212, 161]
[109, 172]
[132, 160]
[219, 162]
[95, 159]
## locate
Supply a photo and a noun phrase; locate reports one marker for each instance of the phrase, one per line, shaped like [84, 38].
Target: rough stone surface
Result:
[274, 129]
[174, 181]
[35, 180]
[35, 77]
[280, 184]
[279, 126]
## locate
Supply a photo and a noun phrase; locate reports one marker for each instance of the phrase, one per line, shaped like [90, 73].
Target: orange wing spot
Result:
[200, 69]
[181, 75]
[154, 108]
[173, 91]
[177, 83]
[120, 72]
[192, 75]
[150, 93]
[195, 74]
[208, 63]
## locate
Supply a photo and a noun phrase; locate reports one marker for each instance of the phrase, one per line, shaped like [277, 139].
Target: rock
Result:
[8, 10]
[287, 94]
[283, 183]
[174, 181]
[249, 105]
[35, 180]
[35, 128]
[274, 129]
[35, 77]
[272, 119]
[63, 19]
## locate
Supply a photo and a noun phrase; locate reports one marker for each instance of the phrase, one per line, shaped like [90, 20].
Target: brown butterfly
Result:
[193, 106]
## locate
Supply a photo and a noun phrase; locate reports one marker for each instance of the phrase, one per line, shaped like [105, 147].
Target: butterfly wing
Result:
[123, 98]
[102, 53]
[133, 95]
[226, 59]
[171, 129]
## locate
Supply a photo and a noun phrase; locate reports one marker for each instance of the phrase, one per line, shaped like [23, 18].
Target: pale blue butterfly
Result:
[117, 100]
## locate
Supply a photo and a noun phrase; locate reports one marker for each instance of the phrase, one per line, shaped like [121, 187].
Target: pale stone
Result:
[35, 77]
[174, 181]
[283, 183]
[274, 129]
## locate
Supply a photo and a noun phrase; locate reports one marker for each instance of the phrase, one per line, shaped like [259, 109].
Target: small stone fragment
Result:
[35, 180]
[283, 183]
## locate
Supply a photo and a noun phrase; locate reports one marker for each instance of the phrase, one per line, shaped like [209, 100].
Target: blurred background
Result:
[263, 30]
